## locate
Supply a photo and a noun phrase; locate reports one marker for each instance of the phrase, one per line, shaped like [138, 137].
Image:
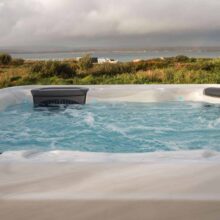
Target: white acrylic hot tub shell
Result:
[128, 93]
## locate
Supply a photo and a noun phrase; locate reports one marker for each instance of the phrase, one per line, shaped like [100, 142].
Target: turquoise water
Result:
[119, 55]
[112, 127]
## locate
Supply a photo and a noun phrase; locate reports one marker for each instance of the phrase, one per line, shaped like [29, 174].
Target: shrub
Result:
[151, 64]
[208, 66]
[169, 76]
[5, 58]
[111, 69]
[142, 65]
[167, 70]
[64, 70]
[182, 58]
[15, 78]
[18, 62]
[53, 68]
[86, 62]
[37, 67]
[193, 60]
[87, 80]
[179, 77]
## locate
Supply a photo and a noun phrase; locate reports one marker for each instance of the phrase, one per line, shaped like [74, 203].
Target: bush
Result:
[37, 67]
[53, 68]
[64, 70]
[151, 64]
[167, 70]
[86, 62]
[169, 76]
[142, 65]
[5, 58]
[111, 69]
[193, 60]
[182, 58]
[15, 78]
[18, 62]
[208, 67]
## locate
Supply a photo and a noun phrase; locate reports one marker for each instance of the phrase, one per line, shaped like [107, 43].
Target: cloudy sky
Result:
[109, 23]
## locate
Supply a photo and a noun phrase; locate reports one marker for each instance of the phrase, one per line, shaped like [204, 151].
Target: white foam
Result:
[89, 119]
[115, 128]
[214, 124]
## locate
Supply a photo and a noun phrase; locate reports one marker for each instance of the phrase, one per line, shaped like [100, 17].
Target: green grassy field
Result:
[174, 70]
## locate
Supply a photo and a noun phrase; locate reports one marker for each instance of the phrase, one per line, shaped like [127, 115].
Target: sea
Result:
[123, 56]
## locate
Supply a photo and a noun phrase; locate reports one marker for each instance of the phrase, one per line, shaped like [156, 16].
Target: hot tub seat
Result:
[59, 96]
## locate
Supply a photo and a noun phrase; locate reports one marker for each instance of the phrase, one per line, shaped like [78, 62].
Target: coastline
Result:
[123, 55]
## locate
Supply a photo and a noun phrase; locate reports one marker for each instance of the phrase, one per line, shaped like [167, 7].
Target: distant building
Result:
[100, 60]
[106, 60]
[136, 60]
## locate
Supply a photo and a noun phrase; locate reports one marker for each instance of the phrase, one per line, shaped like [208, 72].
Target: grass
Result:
[174, 70]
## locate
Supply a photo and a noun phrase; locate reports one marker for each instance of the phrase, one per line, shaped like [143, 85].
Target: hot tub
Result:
[116, 120]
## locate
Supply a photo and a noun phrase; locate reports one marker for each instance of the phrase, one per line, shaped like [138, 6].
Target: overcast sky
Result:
[109, 23]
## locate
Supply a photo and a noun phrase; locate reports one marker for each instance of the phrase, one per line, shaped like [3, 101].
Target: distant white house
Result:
[136, 60]
[106, 60]
[100, 60]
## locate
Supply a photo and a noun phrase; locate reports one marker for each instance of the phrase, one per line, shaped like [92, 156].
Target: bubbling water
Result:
[112, 127]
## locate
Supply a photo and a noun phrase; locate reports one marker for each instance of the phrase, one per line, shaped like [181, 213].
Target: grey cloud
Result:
[42, 22]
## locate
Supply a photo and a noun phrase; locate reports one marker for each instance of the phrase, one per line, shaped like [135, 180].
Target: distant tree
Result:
[86, 62]
[5, 58]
